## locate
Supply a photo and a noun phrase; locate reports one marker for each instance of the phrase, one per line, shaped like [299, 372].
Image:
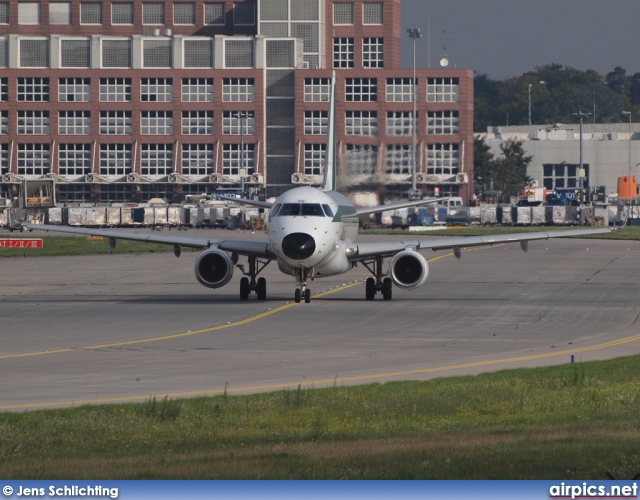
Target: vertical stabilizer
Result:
[330, 160]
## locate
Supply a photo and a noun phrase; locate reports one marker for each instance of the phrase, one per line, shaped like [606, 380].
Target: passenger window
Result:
[327, 210]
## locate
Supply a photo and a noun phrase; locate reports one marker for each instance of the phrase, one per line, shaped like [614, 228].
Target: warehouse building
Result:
[123, 101]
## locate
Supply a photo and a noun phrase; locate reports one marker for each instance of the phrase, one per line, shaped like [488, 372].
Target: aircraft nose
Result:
[298, 246]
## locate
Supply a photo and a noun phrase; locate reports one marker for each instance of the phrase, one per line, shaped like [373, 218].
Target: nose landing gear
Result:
[302, 292]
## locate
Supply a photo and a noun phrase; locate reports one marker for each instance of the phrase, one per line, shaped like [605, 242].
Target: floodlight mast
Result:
[581, 115]
[414, 34]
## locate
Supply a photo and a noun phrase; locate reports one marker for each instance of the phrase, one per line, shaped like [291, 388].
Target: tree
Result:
[483, 163]
[510, 172]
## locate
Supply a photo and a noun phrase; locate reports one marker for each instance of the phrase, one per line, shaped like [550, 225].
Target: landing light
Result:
[350, 250]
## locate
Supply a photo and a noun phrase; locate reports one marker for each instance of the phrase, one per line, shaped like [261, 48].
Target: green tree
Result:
[483, 164]
[509, 172]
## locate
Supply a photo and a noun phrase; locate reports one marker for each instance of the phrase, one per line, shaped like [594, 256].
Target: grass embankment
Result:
[562, 422]
[75, 245]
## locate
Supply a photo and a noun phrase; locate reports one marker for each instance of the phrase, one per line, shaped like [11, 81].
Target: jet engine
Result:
[214, 268]
[409, 269]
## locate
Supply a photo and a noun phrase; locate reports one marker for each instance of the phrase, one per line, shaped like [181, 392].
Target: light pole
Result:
[581, 172]
[630, 198]
[542, 82]
[414, 34]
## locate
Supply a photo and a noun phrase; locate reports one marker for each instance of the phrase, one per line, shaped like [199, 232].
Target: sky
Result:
[506, 38]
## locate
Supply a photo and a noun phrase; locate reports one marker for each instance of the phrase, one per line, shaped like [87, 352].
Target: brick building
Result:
[124, 101]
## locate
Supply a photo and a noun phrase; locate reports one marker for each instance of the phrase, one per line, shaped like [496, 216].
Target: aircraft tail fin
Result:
[330, 161]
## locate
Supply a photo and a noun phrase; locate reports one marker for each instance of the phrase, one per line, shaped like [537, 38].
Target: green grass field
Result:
[574, 421]
[80, 245]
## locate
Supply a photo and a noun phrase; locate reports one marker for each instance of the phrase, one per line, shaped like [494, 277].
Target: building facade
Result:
[123, 101]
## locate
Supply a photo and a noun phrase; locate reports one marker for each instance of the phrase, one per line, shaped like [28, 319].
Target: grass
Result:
[80, 245]
[576, 421]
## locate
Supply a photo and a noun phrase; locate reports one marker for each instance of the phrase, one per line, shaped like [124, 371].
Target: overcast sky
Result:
[505, 38]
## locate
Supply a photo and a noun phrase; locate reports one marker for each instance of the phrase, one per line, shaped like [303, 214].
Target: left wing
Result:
[244, 201]
[400, 204]
[360, 251]
[256, 248]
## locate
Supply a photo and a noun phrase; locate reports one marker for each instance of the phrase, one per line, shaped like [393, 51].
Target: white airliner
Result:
[312, 234]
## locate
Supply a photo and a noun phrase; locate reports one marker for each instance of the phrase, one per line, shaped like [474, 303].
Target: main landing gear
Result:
[249, 283]
[377, 284]
[302, 292]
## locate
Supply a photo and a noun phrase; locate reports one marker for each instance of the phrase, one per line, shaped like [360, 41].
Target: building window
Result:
[399, 159]
[232, 120]
[373, 13]
[90, 13]
[157, 159]
[157, 53]
[442, 159]
[122, 13]
[74, 159]
[33, 122]
[197, 159]
[443, 90]
[184, 13]
[153, 13]
[361, 123]
[244, 14]
[116, 193]
[197, 122]
[74, 89]
[74, 122]
[317, 89]
[399, 122]
[316, 122]
[361, 89]
[156, 90]
[442, 122]
[197, 90]
[29, 13]
[114, 122]
[4, 122]
[214, 14]
[4, 89]
[33, 89]
[115, 159]
[399, 90]
[343, 52]
[232, 160]
[4, 158]
[373, 52]
[34, 159]
[34, 53]
[198, 53]
[4, 51]
[116, 53]
[75, 53]
[156, 123]
[4, 12]
[238, 90]
[60, 13]
[73, 193]
[343, 13]
[238, 53]
[562, 175]
[362, 159]
[115, 89]
[314, 155]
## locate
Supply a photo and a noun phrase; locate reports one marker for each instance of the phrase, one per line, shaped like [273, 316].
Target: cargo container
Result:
[54, 215]
[505, 215]
[556, 215]
[522, 215]
[114, 216]
[489, 214]
[126, 216]
[538, 215]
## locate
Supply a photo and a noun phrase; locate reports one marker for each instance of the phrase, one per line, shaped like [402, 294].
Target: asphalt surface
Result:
[94, 329]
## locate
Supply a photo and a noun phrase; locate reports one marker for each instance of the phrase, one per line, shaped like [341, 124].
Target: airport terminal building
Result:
[123, 101]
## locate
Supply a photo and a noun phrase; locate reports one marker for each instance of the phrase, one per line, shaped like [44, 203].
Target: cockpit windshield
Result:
[303, 209]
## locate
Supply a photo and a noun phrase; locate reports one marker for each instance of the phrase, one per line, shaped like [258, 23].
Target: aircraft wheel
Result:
[261, 289]
[307, 296]
[387, 289]
[298, 294]
[244, 288]
[370, 287]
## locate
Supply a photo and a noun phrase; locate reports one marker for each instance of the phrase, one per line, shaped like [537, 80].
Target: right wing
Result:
[255, 248]
[400, 204]
[360, 251]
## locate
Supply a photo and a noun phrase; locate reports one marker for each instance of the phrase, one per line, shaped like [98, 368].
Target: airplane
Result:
[312, 234]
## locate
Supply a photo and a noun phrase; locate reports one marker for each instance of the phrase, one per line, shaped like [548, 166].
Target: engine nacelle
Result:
[409, 269]
[214, 268]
